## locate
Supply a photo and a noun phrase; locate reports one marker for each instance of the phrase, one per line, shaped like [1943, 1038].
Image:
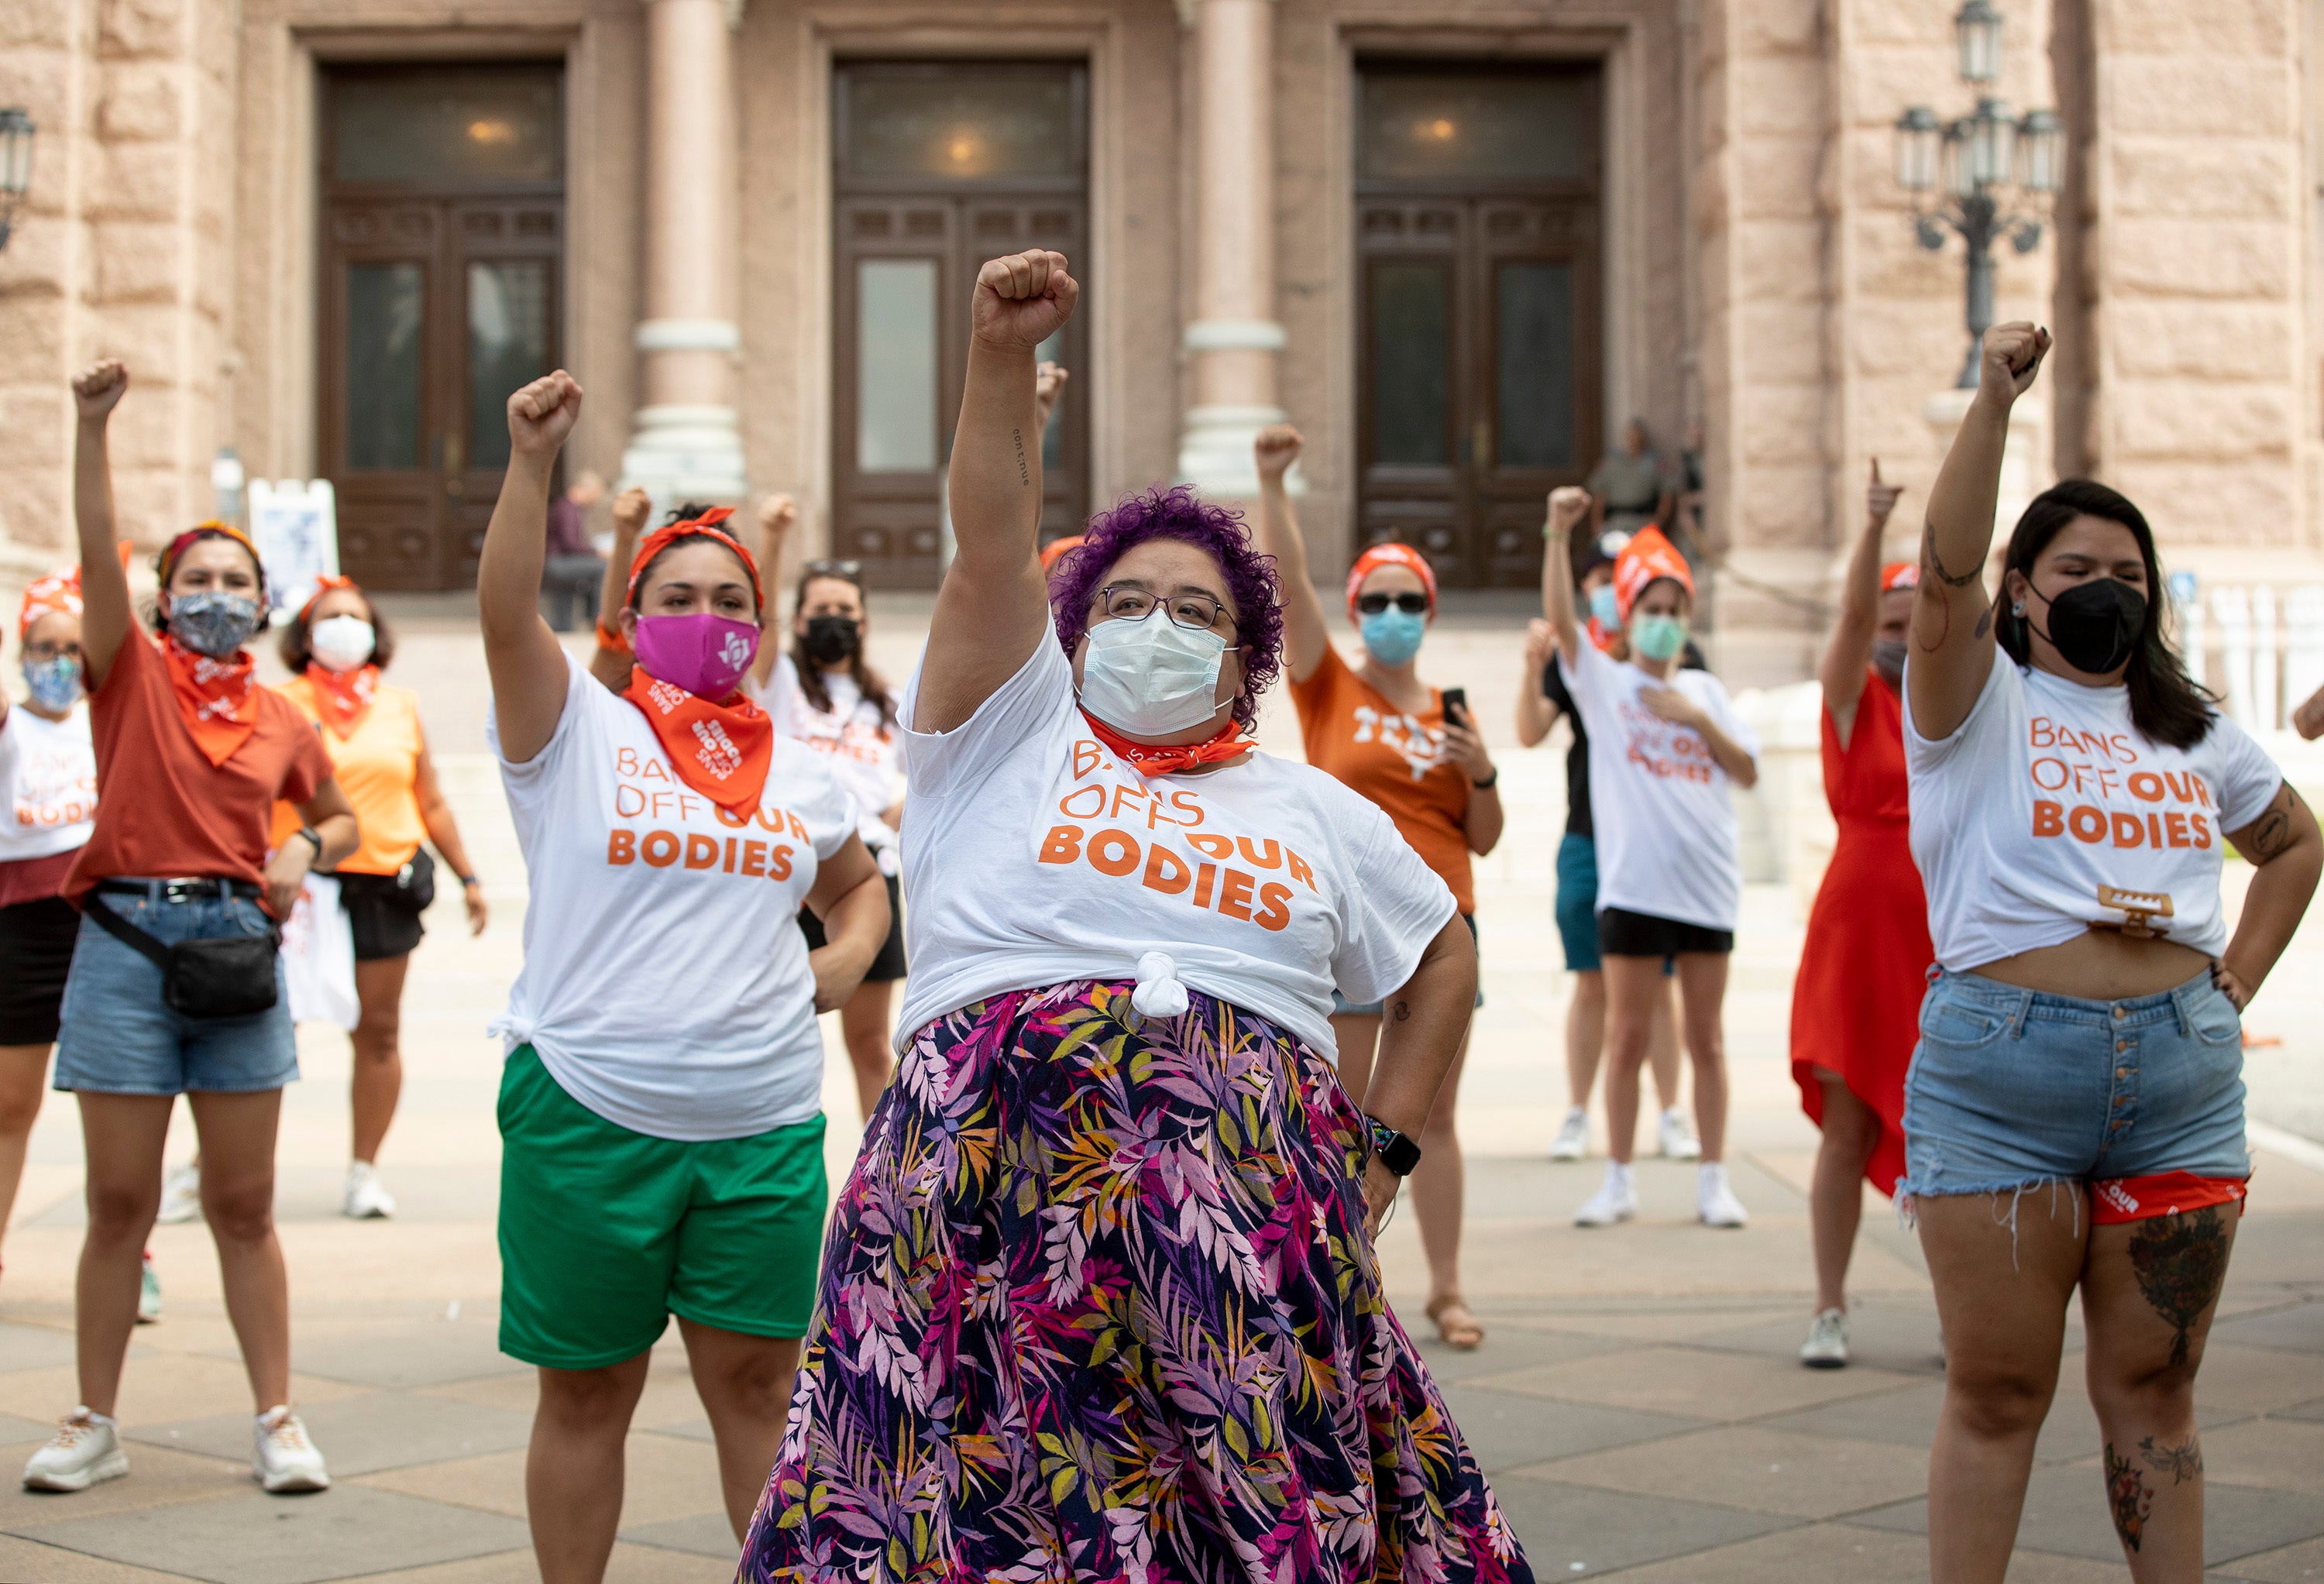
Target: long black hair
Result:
[2166, 705]
[810, 674]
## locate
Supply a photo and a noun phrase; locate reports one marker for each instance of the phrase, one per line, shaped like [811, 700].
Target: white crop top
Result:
[2048, 812]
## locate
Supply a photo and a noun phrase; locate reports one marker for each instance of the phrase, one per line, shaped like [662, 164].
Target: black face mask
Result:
[1888, 659]
[832, 640]
[2095, 626]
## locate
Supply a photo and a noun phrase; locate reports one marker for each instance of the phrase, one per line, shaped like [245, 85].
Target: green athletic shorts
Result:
[605, 1233]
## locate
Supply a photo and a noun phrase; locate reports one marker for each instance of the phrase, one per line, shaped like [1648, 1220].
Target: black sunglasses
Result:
[1410, 602]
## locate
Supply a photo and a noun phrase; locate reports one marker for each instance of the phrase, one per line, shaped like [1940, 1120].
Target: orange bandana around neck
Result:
[218, 698]
[343, 698]
[1159, 759]
[722, 750]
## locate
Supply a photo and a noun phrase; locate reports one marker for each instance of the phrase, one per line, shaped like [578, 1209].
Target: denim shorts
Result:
[2012, 1088]
[119, 1037]
[1341, 1006]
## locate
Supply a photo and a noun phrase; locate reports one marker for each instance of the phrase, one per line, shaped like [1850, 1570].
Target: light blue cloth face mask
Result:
[1658, 638]
[1605, 609]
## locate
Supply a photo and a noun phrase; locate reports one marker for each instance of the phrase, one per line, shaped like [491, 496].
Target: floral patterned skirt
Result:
[1097, 1304]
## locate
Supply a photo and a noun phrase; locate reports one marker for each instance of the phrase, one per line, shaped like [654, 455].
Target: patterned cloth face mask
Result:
[54, 683]
[212, 621]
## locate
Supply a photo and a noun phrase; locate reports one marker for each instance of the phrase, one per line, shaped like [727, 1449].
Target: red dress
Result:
[1856, 1006]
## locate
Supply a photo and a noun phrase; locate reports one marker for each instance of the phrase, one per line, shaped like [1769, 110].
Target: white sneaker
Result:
[84, 1450]
[282, 1458]
[1678, 1141]
[149, 1293]
[181, 1196]
[367, 1198]
[1714, 1201]
[1617, 1199]
[1573, 1140]
[1827, 1344]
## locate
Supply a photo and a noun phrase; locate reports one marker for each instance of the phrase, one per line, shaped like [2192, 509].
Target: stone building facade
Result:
[1458, 242]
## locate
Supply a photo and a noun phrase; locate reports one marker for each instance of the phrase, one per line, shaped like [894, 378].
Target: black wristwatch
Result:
[309, 833]
[1487, 784]
[466, 881]
[1397, 1153]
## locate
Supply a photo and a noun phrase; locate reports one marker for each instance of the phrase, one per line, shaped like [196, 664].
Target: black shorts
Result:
[36, 953]
[381, 925]
[887, 967]
[1624, 933]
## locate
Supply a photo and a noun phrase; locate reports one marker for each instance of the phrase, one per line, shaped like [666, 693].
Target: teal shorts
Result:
[604, 1233]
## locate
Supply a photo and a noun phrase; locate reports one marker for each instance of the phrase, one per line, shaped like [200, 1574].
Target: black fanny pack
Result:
[219, 976]
[415, 884]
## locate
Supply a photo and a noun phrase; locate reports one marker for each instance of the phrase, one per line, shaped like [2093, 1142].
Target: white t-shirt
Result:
[1034, 856]
[666, 984]
[1660, 805]
[865, 756]
[2047, 792]
[47, 784]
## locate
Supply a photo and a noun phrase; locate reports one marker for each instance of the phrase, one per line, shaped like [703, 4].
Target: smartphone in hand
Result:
[1456, 705]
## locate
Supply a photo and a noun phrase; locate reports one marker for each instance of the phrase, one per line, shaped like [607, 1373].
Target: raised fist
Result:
[1276, 449]
[1021, 300]
[777, 513]
[1568, 504]
[98, 388]
[631, 507]
[543, 413]
[1540, 643]
[2010, 359]
[1879, 498]
[1048, 390]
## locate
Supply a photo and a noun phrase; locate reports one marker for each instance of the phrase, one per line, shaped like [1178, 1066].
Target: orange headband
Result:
[1056, 550]
[704, 527]
[1648, 558]
[1391, 555]
[323, 585]
[1899, 575]
[200, 530]
[58, 594]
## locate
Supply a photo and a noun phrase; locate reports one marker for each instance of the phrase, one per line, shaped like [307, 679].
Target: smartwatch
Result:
[1397, 1153]
[309, 833]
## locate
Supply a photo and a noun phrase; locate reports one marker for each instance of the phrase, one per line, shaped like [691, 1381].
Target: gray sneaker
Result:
[1827, 1344]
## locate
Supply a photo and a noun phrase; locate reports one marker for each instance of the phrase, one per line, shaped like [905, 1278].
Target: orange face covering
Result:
[344, 696]
[722, 750]
[218, 698]
[1156, 758]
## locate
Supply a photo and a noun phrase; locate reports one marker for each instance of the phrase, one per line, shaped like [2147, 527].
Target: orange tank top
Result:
[379, 768]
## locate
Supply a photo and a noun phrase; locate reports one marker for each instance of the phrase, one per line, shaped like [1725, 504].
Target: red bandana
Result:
[722, 750]
[1157, 759]
[344, 697]
[216, 697]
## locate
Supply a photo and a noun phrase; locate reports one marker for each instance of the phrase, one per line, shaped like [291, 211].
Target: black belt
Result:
[189, 890]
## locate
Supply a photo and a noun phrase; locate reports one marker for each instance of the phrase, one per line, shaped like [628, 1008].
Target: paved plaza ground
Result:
[1637, 1401]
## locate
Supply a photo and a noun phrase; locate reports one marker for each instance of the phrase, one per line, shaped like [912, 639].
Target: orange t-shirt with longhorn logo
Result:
[1353, 734]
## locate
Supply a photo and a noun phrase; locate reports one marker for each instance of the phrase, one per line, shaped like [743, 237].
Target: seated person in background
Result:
[570, 578]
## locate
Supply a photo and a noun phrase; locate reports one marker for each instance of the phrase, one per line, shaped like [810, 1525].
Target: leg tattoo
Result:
[2180, 1262]
[2183, 1462]
[2129, 1497]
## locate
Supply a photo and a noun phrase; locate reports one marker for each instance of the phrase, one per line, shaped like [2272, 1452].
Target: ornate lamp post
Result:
[1985, 175]
[15, 165]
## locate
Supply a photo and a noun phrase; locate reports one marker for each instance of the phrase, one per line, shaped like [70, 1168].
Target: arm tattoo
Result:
[1023, 476]
[1403, 1012]
[1985, 622]
[2181, 1261]
[2183, 1462]
[2272, 833]
[2128, 1498]
[1930, 559]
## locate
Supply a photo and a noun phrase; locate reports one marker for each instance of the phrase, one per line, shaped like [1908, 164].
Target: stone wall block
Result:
[2224, 259]
[1780, 260]
[1922, 343]
[2210, 502]
[144, 101]
[34, 510]
[1780, 505]
[2207, 178]
[134, 28]
[2174, 27]
[2196, 95]
[32, 337]
[31, 437]
[1890, 262]
[147, 502]
[2220, 422]
[2212, 341]
[134, 181]
[40, 79]
[1779, 178]
[136, 261]
[1777, 27]
[1782, 94]
[1776, 424]
[42, 23]
[1776, 345]
[144, 336]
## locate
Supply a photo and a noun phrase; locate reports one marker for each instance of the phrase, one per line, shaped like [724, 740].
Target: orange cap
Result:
[1899, 575]
[1647, 559]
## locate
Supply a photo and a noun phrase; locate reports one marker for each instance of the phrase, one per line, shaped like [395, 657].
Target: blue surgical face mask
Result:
[212, 621]
[1658, 638]
[1392, 637]
[1605, 609]
[54, 683]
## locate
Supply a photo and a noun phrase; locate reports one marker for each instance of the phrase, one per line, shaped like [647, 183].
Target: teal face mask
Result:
[1658, 638]
[1605, 609]
[1392, 636]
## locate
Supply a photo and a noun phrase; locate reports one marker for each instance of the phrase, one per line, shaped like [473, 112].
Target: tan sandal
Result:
[1456, 1328]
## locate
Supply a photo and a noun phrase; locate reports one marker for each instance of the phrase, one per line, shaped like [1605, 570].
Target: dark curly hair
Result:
[1180, 514]
[292, 644]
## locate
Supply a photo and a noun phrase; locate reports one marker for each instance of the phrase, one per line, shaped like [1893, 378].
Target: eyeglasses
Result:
[1411, 603]
[50, 651]
[850, 570]
[1127, 601]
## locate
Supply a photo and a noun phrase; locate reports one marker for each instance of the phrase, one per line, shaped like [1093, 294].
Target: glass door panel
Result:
[508, 349]
[1533, 365]
[1412, 351]
[896, 356]
[383, 309]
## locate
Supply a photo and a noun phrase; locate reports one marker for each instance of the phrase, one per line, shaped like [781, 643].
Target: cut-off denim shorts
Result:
[2014, 1089]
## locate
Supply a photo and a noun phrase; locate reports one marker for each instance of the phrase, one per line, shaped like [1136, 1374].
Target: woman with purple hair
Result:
[1100, 1299]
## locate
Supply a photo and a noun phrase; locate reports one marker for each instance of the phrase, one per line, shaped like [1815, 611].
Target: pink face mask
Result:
[704, 654]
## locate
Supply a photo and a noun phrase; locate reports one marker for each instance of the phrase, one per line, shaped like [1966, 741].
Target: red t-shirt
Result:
[172, 814]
